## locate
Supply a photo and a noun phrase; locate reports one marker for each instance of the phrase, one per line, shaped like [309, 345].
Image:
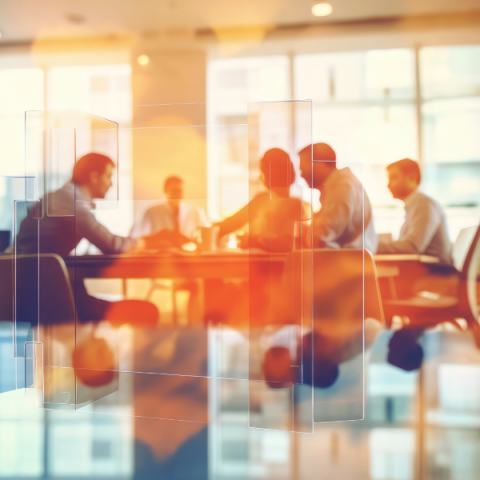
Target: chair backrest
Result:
[341, 275]
[461, 246]
[6, 288]
[37, 287]
[469, 278]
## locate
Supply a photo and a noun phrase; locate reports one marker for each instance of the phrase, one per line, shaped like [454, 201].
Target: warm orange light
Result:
[322, 9]
[143, 59]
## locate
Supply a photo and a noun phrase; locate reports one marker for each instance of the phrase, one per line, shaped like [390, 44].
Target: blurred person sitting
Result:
[345, 217]
[176, 221]
[270, 215]
[425, 228]
[60, 234]
[175, 218]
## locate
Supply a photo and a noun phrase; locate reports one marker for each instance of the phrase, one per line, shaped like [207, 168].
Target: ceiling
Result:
[22, 20]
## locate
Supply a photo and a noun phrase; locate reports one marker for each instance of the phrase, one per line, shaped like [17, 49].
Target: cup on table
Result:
[209, 237]
[385, 237]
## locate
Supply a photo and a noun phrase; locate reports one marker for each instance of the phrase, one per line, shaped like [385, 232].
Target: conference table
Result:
[215, 265]
[396, 272]
[176, 264]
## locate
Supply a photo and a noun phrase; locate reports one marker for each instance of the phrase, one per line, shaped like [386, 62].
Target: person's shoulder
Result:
[192, 207]
[425, 200]
[259, 198]
[263, 194]
[344, 183]
[158, 208]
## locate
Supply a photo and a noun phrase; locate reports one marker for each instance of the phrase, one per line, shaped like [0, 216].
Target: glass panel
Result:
[34, 371]
[338, 335]
[26, 278]
[55, 139]
[280, 390]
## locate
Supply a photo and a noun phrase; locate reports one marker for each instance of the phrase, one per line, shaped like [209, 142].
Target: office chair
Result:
[426, 311]
[340, 264]
[35, 289]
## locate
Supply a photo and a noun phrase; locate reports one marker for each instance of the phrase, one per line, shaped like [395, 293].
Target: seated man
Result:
[172, 215]
[425, 227]
[61, 234]
[346, 212]
[175, 222]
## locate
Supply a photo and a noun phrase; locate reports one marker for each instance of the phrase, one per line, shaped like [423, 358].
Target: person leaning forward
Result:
[60, 234]
[346, 213]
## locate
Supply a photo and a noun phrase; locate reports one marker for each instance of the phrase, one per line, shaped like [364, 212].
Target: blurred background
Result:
[388, 80]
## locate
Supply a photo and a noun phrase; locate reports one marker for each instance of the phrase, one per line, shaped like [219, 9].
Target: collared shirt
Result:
[424, 230]
[162, 217]
[62, 233]
[345, 219]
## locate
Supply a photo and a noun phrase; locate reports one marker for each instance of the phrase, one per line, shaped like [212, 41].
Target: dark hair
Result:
[91, 162]
[325, 371]
[408, 167]
[277, 168]
[171, 179]
[404, 351]
[321, 151]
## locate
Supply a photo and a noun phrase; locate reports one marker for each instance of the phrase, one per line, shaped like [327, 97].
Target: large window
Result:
[103, 90]
[375, 107]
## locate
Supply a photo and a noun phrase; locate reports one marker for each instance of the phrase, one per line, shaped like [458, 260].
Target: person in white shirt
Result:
[173, 214]
[345, 219]
[176, 222]
[425, 228]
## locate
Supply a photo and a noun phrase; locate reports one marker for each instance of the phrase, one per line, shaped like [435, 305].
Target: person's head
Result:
[94, 173]
[320, 372]
[277, 367]
[404, 351]
[94, 362]
[173, 188]
[277, 170]
[325, 369]
[324, 162]
[403, 178]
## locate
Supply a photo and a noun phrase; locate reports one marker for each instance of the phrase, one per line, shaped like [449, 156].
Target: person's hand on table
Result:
[163, 239]
[243, 241]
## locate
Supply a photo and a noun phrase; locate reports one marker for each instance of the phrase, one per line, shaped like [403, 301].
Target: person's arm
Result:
[234, 222]
[334, 216]
[90, 228]
[202, 219]
[419, 232]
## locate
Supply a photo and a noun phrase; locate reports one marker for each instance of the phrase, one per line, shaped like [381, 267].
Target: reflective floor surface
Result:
[421, 425]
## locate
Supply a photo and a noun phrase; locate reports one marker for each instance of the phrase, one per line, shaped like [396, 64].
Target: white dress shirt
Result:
[424, 230]
[345, 219]
[160, 217]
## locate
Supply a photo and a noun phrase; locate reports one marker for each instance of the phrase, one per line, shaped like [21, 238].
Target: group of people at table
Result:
[345, 221]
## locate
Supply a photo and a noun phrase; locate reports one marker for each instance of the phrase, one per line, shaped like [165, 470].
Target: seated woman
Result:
[271, 215]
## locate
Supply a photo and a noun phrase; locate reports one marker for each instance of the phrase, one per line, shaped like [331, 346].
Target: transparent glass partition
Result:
[281, 388]
[62, 149]
[148, 307]
[338, 294]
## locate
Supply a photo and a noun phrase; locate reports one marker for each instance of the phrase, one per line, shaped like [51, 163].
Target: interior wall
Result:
[178, 145]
